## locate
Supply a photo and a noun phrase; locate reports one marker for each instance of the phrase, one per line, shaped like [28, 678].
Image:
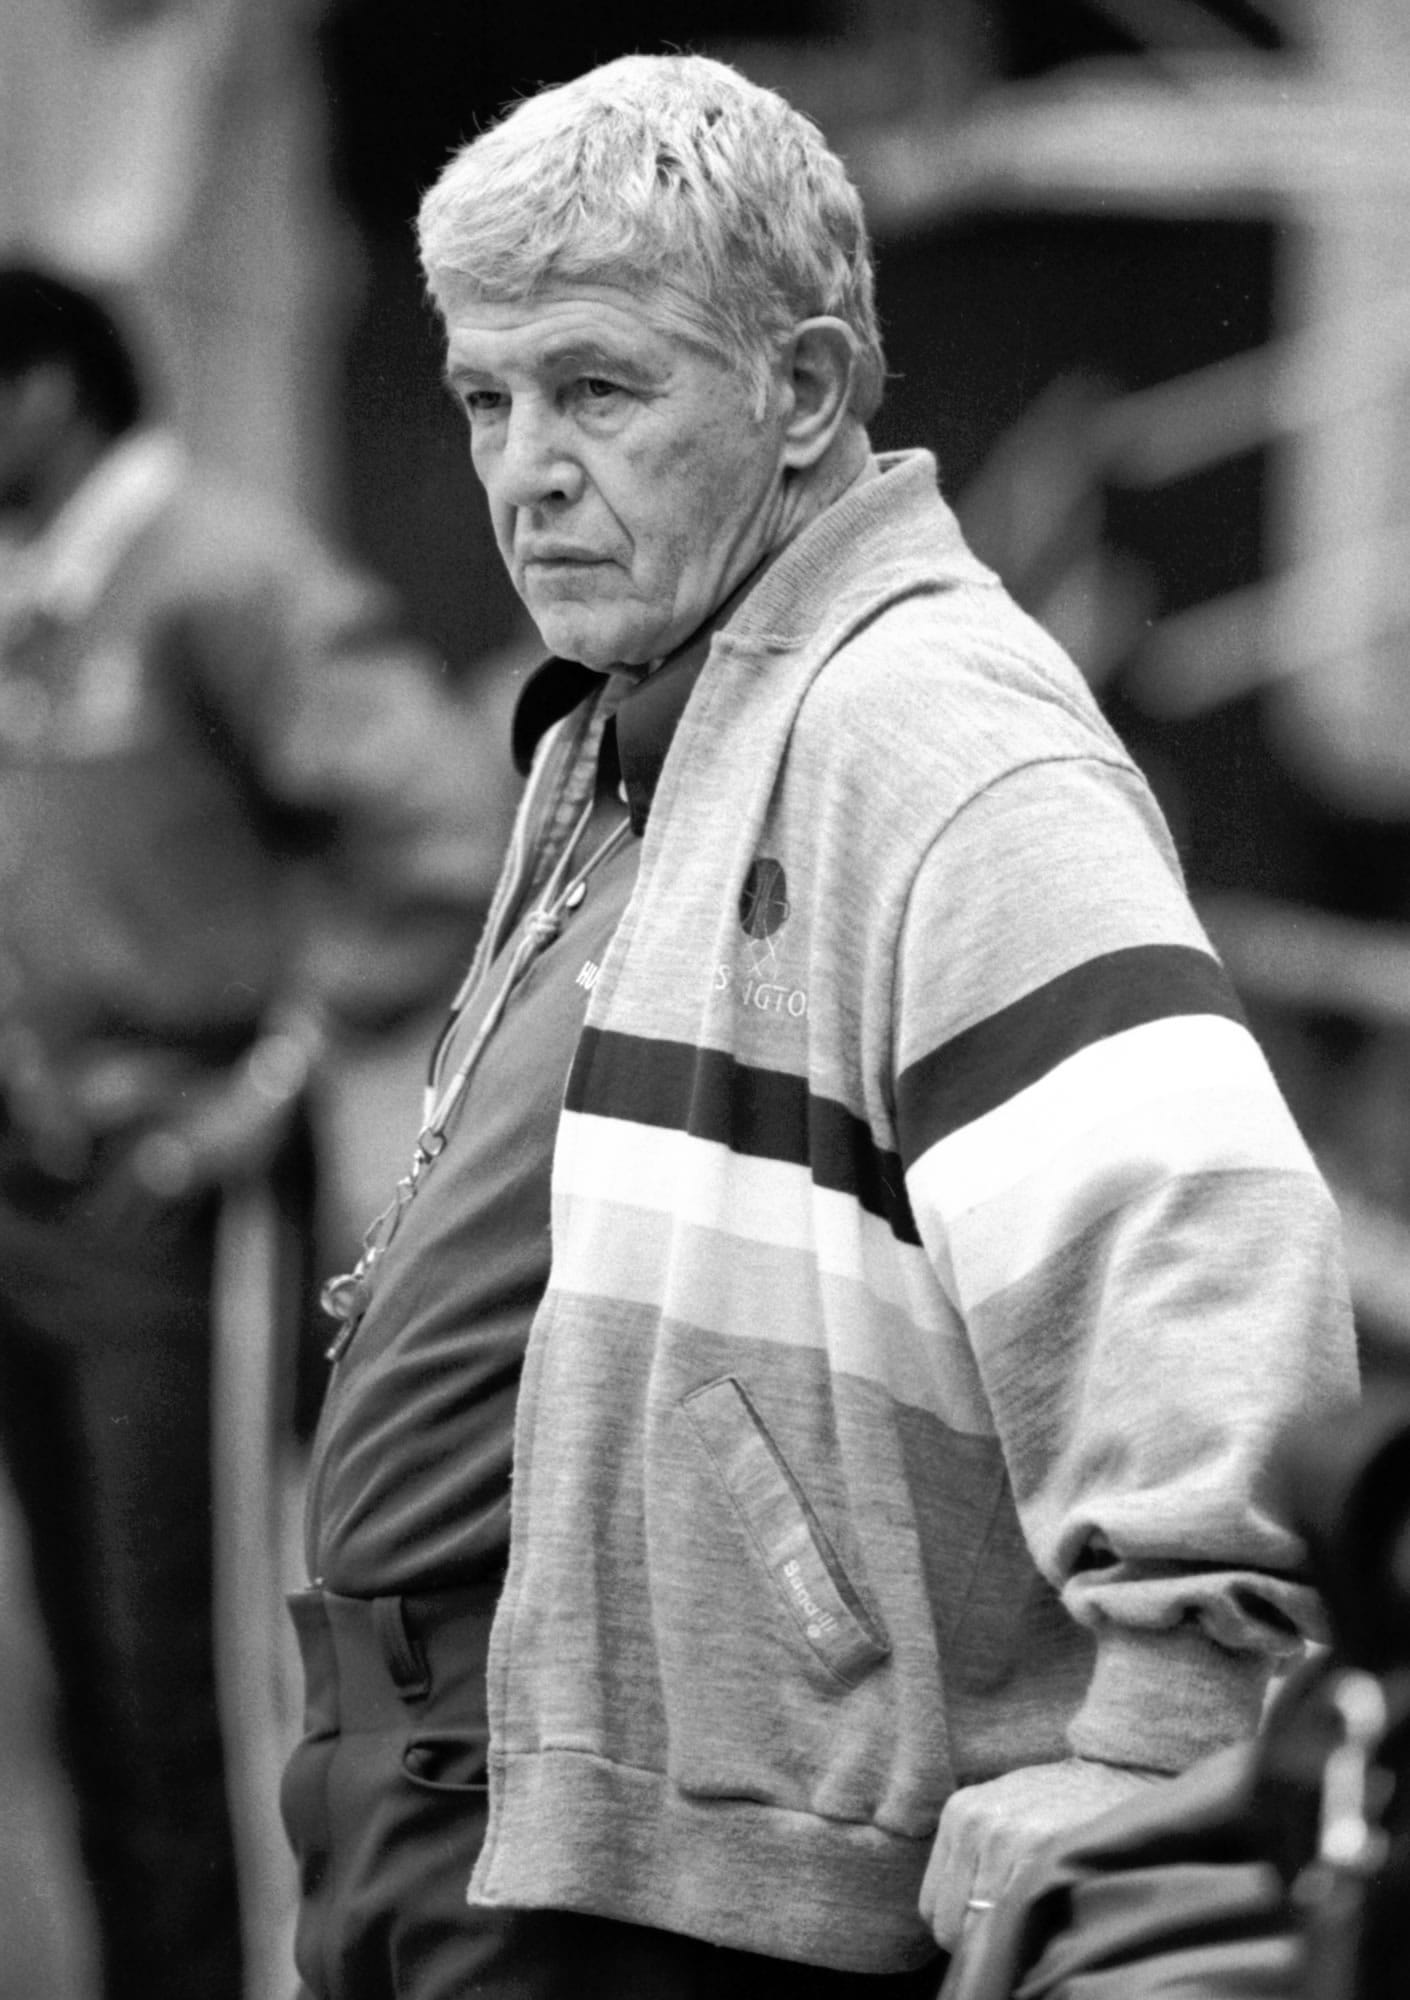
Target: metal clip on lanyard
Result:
[346, 1298]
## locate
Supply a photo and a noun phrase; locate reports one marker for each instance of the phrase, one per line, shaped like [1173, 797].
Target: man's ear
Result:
[817, 363]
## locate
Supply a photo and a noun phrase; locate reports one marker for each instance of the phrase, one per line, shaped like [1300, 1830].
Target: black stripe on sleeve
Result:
[998, 1057]
[763, 1113]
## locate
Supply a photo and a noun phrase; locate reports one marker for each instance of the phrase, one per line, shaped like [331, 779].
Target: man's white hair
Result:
[676, 178]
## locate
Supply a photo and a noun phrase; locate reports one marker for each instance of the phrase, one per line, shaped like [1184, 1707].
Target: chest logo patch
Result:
[764, 909]
[763, 901]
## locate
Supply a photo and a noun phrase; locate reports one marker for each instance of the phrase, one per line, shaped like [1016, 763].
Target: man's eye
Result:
[481, 402]
[596, 388]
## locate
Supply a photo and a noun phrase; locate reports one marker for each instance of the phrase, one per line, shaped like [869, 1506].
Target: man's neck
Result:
[848, 463]
[814, 489]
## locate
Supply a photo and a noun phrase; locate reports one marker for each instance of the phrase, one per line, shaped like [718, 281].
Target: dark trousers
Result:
[105, 1433]
[385, 1805]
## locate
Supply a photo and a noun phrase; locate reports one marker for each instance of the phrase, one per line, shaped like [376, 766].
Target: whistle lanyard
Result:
[346, 1298]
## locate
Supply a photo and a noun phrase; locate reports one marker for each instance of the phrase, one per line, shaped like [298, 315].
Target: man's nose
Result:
[536, 464]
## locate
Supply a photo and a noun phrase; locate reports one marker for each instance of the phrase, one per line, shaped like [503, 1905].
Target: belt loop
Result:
[406, 1662]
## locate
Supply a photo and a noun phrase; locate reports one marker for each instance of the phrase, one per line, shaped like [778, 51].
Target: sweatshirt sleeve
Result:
[1139, 1245]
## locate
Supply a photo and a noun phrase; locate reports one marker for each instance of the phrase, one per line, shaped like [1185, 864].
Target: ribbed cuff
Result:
[1159, 1700]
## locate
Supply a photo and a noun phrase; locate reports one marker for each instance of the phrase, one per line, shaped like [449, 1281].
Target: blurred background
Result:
[1145, 283]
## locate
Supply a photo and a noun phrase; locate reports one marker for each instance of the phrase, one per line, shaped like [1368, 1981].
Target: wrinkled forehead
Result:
[551, 334]
[672, 310]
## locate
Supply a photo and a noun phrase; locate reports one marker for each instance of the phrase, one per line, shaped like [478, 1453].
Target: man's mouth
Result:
[552, 557]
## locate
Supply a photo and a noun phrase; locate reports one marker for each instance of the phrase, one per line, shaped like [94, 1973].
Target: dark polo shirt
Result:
[409, 1489]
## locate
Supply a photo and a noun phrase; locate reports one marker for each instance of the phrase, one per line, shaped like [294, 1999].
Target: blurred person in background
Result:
[847, 1130]
[232, 826]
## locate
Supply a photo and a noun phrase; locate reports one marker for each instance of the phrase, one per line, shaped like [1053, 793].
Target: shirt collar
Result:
[645, 721]
[638, 732]
[640, 729]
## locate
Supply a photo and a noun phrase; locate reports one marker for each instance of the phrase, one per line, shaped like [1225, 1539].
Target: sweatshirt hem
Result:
[572, 1831]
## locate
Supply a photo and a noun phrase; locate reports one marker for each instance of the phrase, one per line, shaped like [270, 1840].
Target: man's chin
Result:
[599, 649]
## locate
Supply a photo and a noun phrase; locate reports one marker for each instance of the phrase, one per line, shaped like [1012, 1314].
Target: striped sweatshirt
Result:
[934, 1261]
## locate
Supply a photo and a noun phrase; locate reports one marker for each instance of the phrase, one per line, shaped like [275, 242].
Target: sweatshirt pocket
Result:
[776, 1676]
[808, 1578]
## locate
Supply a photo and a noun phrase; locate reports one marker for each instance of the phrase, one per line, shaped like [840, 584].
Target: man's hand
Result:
[987, 1831]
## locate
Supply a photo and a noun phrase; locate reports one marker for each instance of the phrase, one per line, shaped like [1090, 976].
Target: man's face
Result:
[631, 485]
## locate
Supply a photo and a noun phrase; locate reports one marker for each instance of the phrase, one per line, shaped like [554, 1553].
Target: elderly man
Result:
[847, 1127]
